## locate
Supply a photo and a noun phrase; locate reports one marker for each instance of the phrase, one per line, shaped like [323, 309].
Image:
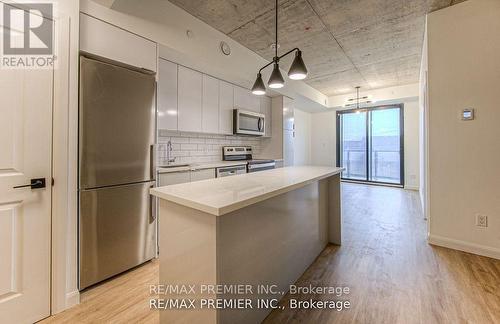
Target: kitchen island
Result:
[232, 246]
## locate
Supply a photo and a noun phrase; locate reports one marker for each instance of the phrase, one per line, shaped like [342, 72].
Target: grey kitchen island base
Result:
[271, 242]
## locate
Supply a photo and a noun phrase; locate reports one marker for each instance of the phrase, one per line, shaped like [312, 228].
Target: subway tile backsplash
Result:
[197, 147]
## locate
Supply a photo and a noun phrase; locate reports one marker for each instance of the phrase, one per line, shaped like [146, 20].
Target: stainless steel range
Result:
[244, 153]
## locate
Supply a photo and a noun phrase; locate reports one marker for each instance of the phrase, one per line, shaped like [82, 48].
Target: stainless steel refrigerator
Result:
[117, 223]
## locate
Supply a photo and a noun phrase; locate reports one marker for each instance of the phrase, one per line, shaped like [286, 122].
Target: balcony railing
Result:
[384, 165]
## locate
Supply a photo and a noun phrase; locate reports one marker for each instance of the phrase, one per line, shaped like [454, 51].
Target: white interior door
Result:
[25, 213]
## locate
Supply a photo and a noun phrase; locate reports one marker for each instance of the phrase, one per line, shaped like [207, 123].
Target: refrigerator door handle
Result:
[152, 161]
[152, 206]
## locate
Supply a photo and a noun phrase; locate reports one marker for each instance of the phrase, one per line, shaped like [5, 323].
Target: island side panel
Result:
[271, 242]
[334, 210]
[187, 240]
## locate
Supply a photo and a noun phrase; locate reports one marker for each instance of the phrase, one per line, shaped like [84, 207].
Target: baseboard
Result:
[465, 246]
[72, 299]
[416, 188]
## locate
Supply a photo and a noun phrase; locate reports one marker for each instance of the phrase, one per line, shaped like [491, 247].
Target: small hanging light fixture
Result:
[258, 87]
[358, 100]
[298, 70]
[276, 80]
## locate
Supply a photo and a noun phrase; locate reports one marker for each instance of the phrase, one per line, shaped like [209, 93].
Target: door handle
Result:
[36, 183]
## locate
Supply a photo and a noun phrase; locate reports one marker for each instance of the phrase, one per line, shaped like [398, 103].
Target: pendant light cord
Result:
[276, 43]
[357, 91]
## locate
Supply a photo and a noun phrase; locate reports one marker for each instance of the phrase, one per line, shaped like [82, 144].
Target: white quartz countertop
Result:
[200, 166]
[223, 195]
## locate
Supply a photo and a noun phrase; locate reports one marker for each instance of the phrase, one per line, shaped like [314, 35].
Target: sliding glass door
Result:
[370, 144]
[354, 145]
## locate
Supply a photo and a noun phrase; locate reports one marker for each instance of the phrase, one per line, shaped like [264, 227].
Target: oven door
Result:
[248, 123]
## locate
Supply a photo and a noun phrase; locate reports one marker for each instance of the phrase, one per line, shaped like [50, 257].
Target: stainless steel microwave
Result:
[248, 123]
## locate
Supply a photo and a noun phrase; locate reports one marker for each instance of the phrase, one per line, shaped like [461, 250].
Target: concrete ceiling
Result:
[345, 43]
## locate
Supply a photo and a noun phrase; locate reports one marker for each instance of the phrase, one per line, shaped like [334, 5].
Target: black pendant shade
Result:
[276, 80]
[298, 70]
[258, 87]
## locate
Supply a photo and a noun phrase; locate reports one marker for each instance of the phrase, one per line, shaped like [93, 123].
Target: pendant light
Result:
[298, 70]
[358, 100]
[258, 87]
[276, 80]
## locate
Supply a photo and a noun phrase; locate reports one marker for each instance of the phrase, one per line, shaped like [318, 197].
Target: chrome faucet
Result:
[169, 151]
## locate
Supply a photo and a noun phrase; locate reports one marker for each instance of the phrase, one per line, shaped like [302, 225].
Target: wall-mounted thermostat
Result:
[468, 114]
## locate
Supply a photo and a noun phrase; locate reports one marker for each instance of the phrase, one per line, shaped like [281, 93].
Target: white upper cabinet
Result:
[288, 114]
[210, 105]
[265, 108]
[167, 95]
[103, 39]
[246, 100]
[254, 102]
[189, 100]
[226, 105]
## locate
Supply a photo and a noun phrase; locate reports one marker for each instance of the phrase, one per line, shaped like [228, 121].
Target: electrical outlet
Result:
[482, 220]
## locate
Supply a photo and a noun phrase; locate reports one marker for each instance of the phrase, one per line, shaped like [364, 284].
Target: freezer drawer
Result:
[117, 230]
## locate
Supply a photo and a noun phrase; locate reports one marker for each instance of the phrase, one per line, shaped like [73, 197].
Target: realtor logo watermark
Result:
[27, 36]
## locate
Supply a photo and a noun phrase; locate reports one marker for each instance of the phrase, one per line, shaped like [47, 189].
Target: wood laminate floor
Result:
[393, 274]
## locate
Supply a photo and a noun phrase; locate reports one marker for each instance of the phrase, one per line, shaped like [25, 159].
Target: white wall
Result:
[464, 157]
[323, 138]
[423, 127]
[65, 125]
[302, 140]
[411, 145]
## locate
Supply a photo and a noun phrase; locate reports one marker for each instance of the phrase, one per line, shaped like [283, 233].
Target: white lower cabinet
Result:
[171, 178]
[205, 174]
